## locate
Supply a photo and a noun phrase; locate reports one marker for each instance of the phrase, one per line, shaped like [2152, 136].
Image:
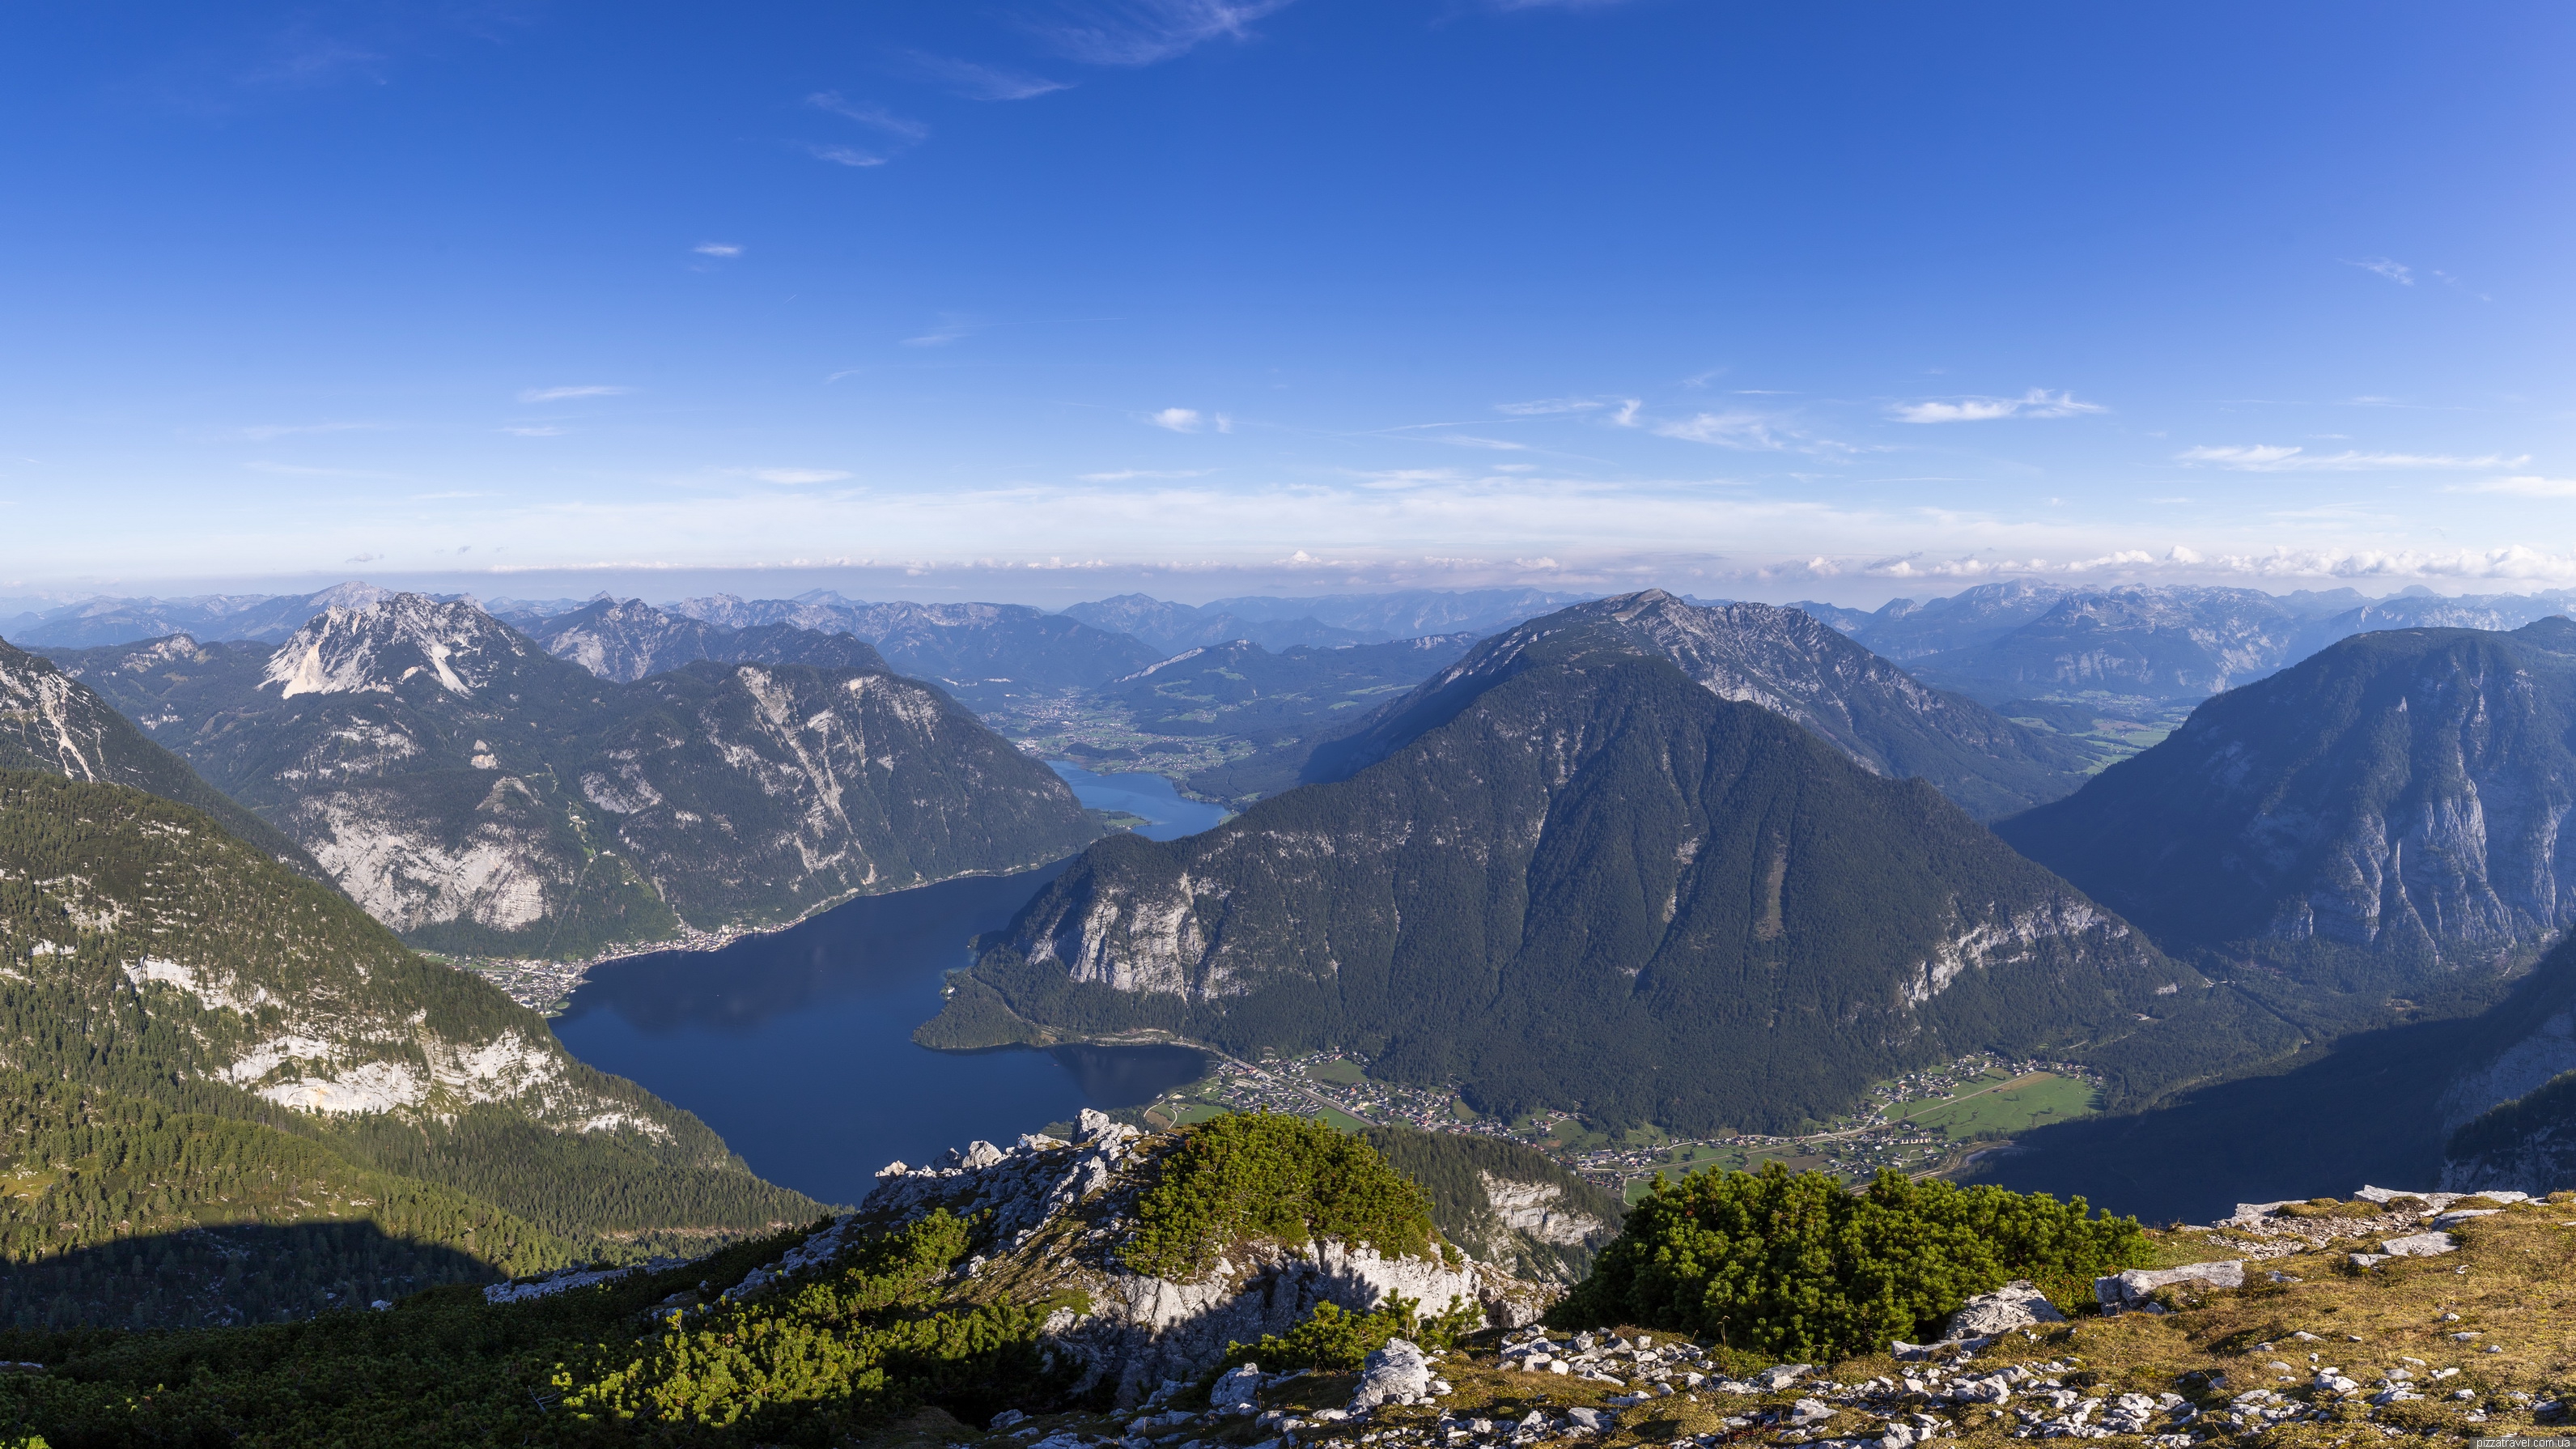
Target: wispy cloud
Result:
[1146, 32]
[298, 470]
[1751, 432]
[2277, 458]
[263, 432]
[1547, 407]
[1126, 475]
[535, 430]
[951, 327]
[2526, 487]
[717, 249]
[981, 82]
[2036, 403]
[1465, 440]
[901, 132]
[868, 115]
[298, 57]
[1189, 420]
[798, 475]
[2395, 271]
[558, 394]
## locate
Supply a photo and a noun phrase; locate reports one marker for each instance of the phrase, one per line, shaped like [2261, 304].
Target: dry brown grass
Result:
[2513, 1283]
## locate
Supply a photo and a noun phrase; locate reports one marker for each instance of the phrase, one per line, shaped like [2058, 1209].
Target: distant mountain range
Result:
[1568, 873]
[268, 618]
[1284, 623]
[479, 795]
[2024, 639]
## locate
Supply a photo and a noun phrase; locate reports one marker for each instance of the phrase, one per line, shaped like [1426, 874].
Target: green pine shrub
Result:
[1796, 1266]
[1264, 1175]
[872, 1336]
[1336, 1340]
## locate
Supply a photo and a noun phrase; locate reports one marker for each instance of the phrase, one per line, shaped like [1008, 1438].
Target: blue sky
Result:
[1045, 299]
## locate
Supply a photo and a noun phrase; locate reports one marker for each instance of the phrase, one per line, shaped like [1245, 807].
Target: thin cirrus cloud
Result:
[798, 475]
[2526, 487]
[2036, 403]
[951, 327]
[2280, 458]
[1127, 475]
[980, 82]
[718, 249]
[1189, 420]
[1749, 432]
[901, 133]
[263, 432]
[2395, 271]
[1148, 32]
[559, 394]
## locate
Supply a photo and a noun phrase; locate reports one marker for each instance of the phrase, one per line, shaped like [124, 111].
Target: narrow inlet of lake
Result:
[797, 1047]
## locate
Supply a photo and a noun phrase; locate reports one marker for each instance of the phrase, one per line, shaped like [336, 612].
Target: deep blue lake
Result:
[797, 1046]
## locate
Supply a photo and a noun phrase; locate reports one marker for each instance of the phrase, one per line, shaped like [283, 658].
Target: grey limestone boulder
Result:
[2017, 1304]
[2133, 1288]
[1397, 1373]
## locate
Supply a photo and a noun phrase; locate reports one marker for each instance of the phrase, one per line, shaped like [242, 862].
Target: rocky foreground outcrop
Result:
[1051, 1217]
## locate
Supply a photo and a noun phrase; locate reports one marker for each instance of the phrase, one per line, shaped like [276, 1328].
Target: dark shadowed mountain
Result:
[479, 795]
[2388, 816]
[1586, 880]
[1793, 665]
[626, 640]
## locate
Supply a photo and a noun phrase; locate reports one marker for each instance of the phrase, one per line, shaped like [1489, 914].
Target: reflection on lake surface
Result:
[797, 1046]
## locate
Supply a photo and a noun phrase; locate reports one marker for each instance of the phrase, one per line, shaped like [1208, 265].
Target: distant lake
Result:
[797, 1047]
[1150, 796]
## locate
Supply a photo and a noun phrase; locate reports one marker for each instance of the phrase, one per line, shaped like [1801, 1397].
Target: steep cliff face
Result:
[50, 721]
[480, 795]
[1594, 883]
[2388, 814]
[1789, 663]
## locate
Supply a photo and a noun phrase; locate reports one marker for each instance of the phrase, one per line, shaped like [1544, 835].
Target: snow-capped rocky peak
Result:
[376, 647]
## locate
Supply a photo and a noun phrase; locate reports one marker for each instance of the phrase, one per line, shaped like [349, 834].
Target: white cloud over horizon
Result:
[2036, 403]
[2292, 458]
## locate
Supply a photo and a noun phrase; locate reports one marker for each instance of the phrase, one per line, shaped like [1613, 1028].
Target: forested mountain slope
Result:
[52, 722]
[2390, 815]
[1787, 662]
[1593, 883]
[479, 795]
[222, 1043]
